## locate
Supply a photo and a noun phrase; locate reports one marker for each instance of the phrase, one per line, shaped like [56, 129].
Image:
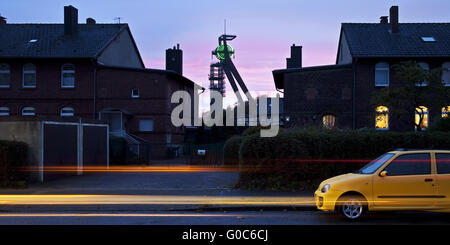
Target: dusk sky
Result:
[265, 29]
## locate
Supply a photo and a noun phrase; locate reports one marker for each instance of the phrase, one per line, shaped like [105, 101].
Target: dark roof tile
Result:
[51, 41]
[376, 40]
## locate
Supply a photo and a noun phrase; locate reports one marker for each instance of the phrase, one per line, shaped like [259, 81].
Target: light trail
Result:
[114, 215]
[150, 199]
[157, 200]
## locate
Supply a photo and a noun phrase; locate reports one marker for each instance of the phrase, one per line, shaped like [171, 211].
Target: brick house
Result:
[338, 95]
[90, 71]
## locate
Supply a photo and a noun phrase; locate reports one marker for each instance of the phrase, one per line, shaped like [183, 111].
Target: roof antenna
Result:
[225, 26]
[118, 19]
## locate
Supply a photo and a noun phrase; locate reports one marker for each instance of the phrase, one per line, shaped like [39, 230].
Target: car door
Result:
[443, 179]
[409, 183]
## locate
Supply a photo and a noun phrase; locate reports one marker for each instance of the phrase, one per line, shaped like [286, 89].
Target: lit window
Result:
[426, 68]
[445, 111]
[135, 93]
[67, 112]
[28, 111]
[421, 117]
[382, 118]
[29, 76]
[4, 111]
[328, 121]
[428, 39]
[68, 76]
[5, 76]
[146, 125]
[446, 73]
[382, 74]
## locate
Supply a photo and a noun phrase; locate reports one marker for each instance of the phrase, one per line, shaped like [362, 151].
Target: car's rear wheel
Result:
[352, 207]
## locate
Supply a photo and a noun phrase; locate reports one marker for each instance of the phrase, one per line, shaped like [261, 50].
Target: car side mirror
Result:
[383, 173]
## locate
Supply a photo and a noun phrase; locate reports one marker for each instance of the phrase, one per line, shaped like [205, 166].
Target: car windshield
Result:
[372, 166]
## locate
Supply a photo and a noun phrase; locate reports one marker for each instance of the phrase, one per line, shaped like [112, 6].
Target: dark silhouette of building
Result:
[91, 71]
[338, 95]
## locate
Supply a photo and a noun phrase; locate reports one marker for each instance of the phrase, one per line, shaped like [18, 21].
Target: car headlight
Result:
[325, 188]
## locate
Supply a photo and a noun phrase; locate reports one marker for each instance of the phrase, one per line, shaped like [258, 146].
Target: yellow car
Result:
[398, 180]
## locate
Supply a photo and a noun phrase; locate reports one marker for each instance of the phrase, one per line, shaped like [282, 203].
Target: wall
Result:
[308, 95]
[121, 52]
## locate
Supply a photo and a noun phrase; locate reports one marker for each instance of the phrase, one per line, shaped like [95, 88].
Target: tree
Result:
[420, 87]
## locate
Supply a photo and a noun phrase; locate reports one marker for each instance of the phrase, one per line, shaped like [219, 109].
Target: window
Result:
[382, 118]
[135, 93]
[146, 125]
[443, 163]
[410, 164]
[382, 74]
[4, 111]
[29, 76]
[67, 112]
[446, 74]
[426, 68]
[5, 76]
[28, 111]
[374, 165]
[329, 121]
[421, 113]
[445, 111]
[68, 76]
[428, 39]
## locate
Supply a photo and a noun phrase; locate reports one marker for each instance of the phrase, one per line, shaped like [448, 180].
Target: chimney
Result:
[70, 20]
[384, 20]
[174, 59]
[90, 21]
[393, 19]
[2, 20]
[295, 61]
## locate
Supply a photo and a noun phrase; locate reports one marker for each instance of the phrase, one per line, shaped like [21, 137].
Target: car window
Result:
[410, 164]
[443, 163]
[373, 166]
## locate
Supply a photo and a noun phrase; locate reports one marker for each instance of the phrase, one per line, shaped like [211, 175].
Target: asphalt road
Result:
[160, 199]
[218, 218]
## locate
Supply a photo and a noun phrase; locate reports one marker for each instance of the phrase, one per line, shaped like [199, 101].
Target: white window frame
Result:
[446, 71]
[29, 72]
[67, 114]
[387, 114]
[4, 111]
[382, 69]
[29, 108]
[6, 71]
[133, 95]
[425, 66]
[67, 72]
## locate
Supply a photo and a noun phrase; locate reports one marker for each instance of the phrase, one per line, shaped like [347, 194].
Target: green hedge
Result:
[302, 159]
[231, 150]
[12, 155]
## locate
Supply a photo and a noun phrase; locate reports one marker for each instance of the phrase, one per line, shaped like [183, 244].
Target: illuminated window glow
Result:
[382, 118]
[421, 110]
[329, 121]
[445, 111]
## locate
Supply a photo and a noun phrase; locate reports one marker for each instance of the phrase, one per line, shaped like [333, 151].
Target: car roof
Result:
[419, 150]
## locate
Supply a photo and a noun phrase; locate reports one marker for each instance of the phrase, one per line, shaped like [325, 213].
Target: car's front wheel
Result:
[352, 207]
